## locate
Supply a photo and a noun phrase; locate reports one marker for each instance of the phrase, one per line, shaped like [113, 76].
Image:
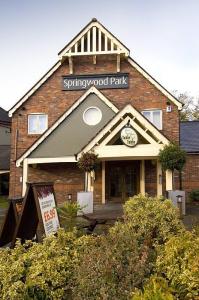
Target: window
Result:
[37, 123]
[92, 116]
[154, 116]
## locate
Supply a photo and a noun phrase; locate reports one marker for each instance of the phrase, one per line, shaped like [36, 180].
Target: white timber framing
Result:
[92, 90]
[142, 177]
[89, 42]
[169, 180]
[122, 152]
[134, 125]
[103, 182]
[128, 109]
[25, 176]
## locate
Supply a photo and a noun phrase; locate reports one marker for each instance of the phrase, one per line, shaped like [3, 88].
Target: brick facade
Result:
[52, 100]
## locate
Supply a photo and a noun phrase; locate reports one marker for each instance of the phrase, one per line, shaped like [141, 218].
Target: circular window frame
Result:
[92, 107]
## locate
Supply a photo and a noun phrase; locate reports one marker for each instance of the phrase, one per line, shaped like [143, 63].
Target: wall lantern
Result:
[179, 204]
[169, 107]
[69, 197]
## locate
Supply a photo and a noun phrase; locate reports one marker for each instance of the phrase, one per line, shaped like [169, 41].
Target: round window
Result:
[92, 116]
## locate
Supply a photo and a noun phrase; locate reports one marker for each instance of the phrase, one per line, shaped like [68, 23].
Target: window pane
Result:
[32, 124]
[37, 124]
[156, 119]
[42, 123]
[147, 115]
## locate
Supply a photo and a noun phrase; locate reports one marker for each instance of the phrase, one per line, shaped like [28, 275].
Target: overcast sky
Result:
[162, 35]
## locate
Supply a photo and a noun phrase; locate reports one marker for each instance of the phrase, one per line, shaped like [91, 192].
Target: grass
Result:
[3, 202]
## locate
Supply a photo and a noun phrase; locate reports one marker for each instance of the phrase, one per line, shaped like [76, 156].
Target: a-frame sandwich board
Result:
[39, 215]
[9, 223]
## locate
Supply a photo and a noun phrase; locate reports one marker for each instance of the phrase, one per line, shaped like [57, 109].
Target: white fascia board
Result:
[51, 160]
[155, 83]
[122, 151]
[92, 90]
[39, 83]
[4, 172]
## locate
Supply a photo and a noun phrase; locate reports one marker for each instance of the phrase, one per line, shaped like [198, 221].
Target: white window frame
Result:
[100, 114]
[37, 114]
[151, 116]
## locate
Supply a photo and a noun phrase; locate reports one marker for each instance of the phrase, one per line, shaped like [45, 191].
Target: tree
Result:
[172, 157]
[190, 109]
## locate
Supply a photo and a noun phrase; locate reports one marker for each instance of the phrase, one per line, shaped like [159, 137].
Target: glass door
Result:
[122, 180]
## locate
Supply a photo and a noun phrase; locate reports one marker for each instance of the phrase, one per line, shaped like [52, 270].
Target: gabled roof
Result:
[4, 116]
[4, 157]
[94, 39]
[92, 90]
[67, 51]
[189, 136]
[155, 136]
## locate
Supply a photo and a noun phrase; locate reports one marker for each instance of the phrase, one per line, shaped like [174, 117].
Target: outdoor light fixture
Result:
[69, 197]
[160, 179]
[179, 204]
[169, 107]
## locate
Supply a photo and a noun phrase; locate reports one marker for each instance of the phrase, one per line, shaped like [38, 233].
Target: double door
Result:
[122, 180]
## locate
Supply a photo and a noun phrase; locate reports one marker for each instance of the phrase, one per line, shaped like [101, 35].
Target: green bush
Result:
[153, 218]
[68, 214]
[194, 195]
[155, 289]
[111, 266]
[38, 271]
[178, 262]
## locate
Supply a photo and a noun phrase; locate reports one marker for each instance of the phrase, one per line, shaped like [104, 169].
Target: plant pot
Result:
[85, 201]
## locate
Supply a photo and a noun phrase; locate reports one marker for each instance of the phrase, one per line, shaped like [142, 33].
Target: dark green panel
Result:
[73, 134]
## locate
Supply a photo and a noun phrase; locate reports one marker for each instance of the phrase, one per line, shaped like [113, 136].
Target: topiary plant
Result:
[172, 157]
[87, 163]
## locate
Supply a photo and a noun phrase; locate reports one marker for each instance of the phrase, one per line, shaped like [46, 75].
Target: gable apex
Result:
[93, 39]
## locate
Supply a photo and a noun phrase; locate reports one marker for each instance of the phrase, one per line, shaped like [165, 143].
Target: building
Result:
[96, 97]
[189, 140]
[5, 124]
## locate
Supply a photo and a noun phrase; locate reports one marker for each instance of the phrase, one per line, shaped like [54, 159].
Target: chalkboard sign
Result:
[39, 215]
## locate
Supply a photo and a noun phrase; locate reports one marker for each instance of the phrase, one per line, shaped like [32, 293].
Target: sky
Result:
[162, 37]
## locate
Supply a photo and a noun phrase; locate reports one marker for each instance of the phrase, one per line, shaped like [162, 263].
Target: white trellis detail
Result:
[94, 39]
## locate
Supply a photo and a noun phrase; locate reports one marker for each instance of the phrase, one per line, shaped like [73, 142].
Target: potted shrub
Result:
[87, 163]
[172, 157]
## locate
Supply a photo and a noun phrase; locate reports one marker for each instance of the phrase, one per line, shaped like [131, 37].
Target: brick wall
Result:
[50, 99]
[190, 174]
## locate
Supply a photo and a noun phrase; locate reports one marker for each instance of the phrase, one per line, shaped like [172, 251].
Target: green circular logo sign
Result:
[129, 136]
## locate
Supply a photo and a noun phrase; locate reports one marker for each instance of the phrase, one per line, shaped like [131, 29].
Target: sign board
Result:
[9, 223]
[48, 209]
[39, 215]
[101, 81]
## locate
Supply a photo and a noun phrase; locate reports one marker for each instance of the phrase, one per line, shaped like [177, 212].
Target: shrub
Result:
[178, 262]
[155, 289]
[38, 271]
[194, 195]
[153, 218]
[111, 266]
[68, 214]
